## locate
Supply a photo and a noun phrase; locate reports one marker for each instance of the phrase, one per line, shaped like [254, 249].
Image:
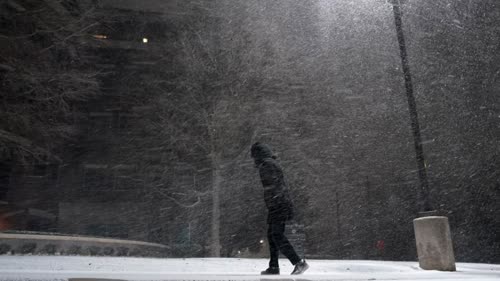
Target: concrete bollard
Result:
[434, 246]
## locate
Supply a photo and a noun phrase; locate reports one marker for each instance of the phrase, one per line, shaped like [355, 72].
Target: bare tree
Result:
[211, 112]
[44, 77]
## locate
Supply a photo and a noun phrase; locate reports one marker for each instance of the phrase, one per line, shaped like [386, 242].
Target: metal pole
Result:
[424, 204]
[338, 216]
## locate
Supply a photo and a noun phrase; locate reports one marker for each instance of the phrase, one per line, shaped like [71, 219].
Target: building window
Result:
[101, 177]
[96, 177]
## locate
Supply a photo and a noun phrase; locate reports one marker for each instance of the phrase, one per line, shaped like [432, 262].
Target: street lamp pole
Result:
[424, 204]
[429, 228]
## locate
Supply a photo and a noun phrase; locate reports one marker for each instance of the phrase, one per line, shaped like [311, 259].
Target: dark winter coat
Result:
[276, 192]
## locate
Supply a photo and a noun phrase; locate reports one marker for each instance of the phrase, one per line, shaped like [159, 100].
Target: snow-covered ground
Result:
[67, 268]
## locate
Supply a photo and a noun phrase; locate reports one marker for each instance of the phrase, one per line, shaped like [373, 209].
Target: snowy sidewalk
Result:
[68, 268]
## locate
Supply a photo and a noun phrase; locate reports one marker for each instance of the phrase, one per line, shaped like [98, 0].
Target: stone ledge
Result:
[39, 244]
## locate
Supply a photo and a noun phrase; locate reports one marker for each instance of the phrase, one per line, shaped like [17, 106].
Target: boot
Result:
[300, 267]
[271, 271]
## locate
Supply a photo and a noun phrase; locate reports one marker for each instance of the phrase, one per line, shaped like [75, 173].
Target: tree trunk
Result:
[215, 246]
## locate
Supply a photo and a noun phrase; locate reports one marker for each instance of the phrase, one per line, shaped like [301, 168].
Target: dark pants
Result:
[278, 242]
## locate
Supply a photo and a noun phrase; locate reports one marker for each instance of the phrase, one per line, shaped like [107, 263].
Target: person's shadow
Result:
[285, 278]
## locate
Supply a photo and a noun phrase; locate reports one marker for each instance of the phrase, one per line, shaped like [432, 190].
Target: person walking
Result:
[280, 209]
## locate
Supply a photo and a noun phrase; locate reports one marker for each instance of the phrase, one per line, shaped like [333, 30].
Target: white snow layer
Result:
[78, 268]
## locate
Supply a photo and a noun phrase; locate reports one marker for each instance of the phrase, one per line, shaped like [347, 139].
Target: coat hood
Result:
[260, 151]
